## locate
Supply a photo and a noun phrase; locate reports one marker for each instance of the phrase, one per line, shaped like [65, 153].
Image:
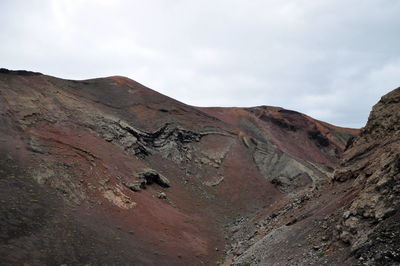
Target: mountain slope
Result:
[371, 223]
[353, 221]
[107, 171]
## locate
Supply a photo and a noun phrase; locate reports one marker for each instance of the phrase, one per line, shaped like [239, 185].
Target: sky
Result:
[330, 59]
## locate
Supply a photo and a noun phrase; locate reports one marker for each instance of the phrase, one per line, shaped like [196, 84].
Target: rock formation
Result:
[353, 221]
[371, 223]
[107, 171]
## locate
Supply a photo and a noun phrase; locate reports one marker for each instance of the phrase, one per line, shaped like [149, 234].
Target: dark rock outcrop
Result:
[372, 163]
[150, 176]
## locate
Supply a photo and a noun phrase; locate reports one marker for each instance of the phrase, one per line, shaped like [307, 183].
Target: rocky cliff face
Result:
[353, 221]
[107, 171]
[372, 163]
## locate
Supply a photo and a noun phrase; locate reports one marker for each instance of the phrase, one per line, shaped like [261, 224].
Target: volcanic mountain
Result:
[108, 171]
[352, 221]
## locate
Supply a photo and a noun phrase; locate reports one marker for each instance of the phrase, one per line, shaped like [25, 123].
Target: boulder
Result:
[162, 195]
[134, 186]
[151, 176]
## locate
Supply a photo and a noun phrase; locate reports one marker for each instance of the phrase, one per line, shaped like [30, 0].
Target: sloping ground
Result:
[289, 148]
[297, 230]
[371, 224]
[107, 171]
[353, 221]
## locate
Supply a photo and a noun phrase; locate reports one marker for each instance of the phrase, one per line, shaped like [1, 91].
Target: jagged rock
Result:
[372, 162]
[204, 161]
[135, 186]
[128, 141]
[283, 170]
[151, 176]
[162, 195]
[214, 181]
[346, 237]
[119, 199]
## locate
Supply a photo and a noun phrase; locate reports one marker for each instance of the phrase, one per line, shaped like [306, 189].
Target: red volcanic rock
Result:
[74, 189]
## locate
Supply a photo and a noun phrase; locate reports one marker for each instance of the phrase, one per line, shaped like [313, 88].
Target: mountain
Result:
[352, 221]
[108, 171]
[371, 224]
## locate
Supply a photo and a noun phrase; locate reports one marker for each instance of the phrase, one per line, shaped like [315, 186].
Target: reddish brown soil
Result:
[57, 160]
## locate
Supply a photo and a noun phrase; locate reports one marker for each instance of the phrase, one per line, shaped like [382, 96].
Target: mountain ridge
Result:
[103, 150]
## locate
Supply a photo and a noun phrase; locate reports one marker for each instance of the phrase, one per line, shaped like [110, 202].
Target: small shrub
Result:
[320, 254]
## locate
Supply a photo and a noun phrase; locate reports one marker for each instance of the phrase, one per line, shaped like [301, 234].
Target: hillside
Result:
[352, 221]
[108, 171]
[371, 224]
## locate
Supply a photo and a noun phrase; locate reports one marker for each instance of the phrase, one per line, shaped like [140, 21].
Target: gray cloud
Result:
[330, 59]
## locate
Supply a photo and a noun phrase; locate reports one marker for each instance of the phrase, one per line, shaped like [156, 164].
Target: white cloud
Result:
[332, 59]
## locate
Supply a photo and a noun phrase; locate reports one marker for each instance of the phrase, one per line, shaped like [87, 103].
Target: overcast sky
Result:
[331, 59]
